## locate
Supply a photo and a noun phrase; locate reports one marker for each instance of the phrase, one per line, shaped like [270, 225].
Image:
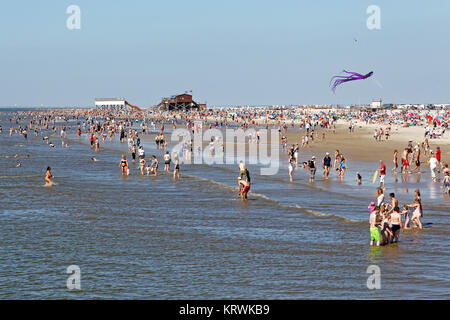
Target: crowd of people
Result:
[387, 220]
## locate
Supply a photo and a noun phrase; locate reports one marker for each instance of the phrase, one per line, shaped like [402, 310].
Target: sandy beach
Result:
[361, 145]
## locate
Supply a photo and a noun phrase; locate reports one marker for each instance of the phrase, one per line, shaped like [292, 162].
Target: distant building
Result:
[180, 102]
[376, 104]
[114, 102]
[110, 102]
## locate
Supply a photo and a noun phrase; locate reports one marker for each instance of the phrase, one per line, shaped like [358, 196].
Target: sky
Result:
[227, 52]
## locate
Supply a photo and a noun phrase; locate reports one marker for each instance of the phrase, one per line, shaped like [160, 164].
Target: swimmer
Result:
[358, 178]
[94, 159]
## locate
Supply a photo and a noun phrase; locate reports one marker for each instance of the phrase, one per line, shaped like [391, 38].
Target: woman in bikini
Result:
[124, 165]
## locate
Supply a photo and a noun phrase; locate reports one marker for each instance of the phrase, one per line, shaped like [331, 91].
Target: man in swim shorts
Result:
[374, 231]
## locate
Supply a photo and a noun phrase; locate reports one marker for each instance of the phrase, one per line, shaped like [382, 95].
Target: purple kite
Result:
[352, 76]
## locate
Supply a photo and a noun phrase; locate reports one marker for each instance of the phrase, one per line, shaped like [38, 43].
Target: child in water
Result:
[406, 213]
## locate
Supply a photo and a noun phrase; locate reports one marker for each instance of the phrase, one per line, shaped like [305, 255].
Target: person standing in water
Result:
[124, 165]
[167, 161]
[244, 181]
[396, 221]
[375, 237]
[141, 164]
[382, 174]
[394, 169]
[176, 169]
[133, 153]
[312, 168]
[326, 164]
[291, 166]
[433, 166]
[154, 166]
[48, 175]
[418, 212]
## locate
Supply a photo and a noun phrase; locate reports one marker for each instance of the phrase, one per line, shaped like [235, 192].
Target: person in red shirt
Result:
[382, 173]
[438, 158]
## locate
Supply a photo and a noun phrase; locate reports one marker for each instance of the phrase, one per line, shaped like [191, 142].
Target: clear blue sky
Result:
[227, 52]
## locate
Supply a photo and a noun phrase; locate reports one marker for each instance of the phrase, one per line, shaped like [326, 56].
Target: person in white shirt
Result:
[380, 198]
[141, 152]
[433, 165]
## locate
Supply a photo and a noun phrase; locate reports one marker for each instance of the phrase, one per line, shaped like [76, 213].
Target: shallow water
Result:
[152, 238]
